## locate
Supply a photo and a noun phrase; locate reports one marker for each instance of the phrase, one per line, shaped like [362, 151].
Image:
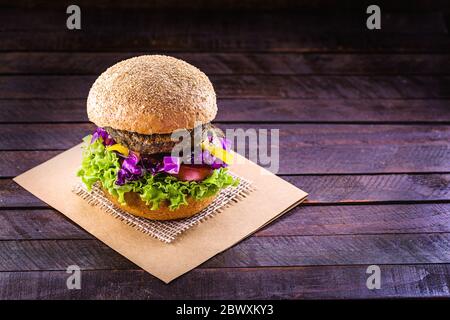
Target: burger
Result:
[140, 106]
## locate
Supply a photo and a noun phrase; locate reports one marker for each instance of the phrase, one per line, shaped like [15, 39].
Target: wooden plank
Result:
[283, 32]
[364, 110]
[361, 219]
[15, 162]
[87, 63]
[47, 224]
[336, 250]
[374, 188]
[43, 136]
[256, 110]
[38, 224]
[253, 252]
[251, 86]
[190, 24]
[254, 5]
[399, 281]
[13, 195]
[367, 159]
[342, 189]
[144, 41]
[374, 148]
[55, 254]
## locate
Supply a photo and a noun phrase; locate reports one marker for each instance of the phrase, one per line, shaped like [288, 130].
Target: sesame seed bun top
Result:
[151, 94]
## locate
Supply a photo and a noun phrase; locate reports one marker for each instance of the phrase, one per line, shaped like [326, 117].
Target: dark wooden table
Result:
[364, 121]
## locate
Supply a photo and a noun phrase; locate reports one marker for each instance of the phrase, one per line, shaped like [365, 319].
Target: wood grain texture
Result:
[161, 43]
[138, 30]
[41, 224]
[256, 110]
[87, 63]
[361, 219]
[13, 195]
[38, 224]
[374, 148]
[223, 24]
[55, 254]
[374, 188]
[270, 251]
[406, 281]
[334, 110]
[251, 86]
[17, 162]
[323, 189]
[254, 5]
[336, 250]
[380, 193]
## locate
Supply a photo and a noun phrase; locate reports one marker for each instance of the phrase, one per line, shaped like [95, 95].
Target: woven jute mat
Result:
[166, 231]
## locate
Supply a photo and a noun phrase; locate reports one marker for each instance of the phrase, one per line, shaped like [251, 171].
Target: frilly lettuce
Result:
[101, 165]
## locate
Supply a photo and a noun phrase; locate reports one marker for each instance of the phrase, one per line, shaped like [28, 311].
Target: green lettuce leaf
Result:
[101, 165]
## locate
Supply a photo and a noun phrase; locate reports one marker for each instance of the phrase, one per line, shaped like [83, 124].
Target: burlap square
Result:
[166, 231]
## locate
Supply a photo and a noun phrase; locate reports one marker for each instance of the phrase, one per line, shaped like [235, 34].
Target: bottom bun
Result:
[135, 206]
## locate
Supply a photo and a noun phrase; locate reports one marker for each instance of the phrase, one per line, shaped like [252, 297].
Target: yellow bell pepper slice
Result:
[119, 148]
[218, 152]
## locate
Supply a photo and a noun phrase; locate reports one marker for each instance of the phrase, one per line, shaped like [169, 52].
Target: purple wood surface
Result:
[140, 30]
[252, 86]
[418, 6]
[374, 148]
[364, 121]
[322, 189]
[267, 251]
[233, 63]
[348, 282]
[255, 110]
[48, 224]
